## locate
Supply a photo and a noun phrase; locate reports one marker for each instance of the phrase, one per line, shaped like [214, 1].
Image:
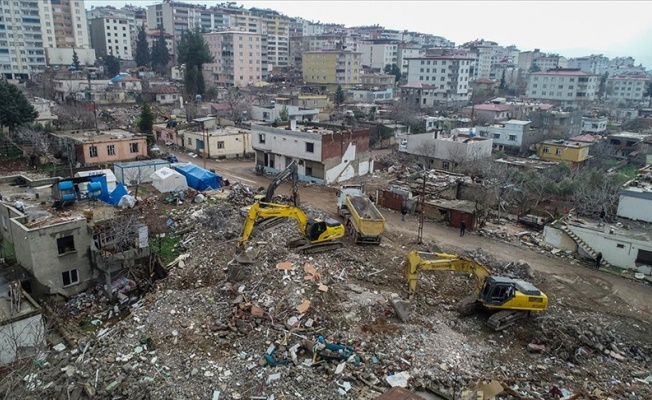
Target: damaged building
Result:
[324, 154]
[65, 250]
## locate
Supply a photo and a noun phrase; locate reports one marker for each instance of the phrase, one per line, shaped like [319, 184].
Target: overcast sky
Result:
[570, 28]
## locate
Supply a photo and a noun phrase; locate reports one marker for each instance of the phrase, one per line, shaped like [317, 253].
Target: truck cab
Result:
[347, 190]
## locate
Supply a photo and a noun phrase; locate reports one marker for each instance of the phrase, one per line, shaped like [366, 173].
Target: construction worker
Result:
[598, 260]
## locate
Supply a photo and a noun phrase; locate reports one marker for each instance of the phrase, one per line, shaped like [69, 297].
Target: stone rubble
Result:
[216, 329]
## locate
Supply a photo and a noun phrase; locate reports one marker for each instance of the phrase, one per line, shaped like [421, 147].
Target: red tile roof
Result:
[545, 107]
[162, 89]
[631, 77]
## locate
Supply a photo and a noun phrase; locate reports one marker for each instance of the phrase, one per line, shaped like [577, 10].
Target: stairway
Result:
[588, 249]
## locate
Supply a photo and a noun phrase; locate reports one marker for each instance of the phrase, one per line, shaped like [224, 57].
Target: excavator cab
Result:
[497, 290]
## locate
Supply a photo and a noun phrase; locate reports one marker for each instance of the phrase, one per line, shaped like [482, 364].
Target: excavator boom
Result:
[417, 261]
[290, 172]
[509, 299]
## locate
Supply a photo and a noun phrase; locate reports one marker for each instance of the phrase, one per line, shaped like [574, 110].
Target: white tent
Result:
[168, 180]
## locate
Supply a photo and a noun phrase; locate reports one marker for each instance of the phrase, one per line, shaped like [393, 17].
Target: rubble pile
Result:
[218, 329]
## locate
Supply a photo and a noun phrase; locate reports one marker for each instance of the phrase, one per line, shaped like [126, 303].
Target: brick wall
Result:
[335, 145]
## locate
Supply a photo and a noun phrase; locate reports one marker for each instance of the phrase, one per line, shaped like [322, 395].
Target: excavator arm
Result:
[290, 172]
[269, 210]
[417, 261]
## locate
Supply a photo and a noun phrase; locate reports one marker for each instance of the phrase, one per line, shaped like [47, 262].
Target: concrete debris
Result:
[211, 328]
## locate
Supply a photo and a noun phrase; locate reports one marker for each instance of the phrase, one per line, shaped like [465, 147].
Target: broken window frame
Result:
[66, 242]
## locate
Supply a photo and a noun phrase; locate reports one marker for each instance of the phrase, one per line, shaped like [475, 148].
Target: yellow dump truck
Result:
[364, 223]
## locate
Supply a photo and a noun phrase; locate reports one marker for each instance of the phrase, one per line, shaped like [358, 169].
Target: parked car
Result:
[155, 150]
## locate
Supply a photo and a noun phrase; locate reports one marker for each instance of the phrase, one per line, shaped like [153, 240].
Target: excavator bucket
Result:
[241, 257]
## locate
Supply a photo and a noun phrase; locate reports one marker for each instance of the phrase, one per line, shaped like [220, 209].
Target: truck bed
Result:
[365, 219]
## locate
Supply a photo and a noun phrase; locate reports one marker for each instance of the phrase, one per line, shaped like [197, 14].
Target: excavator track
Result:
[304, 247]
[505, 318]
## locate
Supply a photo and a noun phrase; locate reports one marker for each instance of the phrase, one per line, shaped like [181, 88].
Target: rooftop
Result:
[526, 162]
[91, 136]
[488, 107]
[630, 135]
[630, 77]
[457, 205]
[37, 203]
[583, 138]
[565, 143]
[564, 72]
[418, 85]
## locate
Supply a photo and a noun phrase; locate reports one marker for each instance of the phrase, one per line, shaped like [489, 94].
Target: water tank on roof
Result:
[65, 185]
[94, 190]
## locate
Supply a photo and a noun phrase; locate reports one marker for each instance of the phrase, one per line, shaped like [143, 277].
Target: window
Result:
[70, 277]
[496, 135]
[546, 150]
[261, 137]
[93, 151]
[220, 145]
[512, 138]
[133, 147]
[446, 166]
[310, 147]
[110, 149]
[65, 245]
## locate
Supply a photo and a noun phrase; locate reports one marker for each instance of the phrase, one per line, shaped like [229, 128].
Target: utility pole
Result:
[422, 200]
[203, 127]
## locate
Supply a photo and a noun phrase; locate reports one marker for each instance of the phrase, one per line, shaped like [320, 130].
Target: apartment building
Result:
[153, 36]
[176, 17]
[22, 51]
[323, 155]
[337, 67]
[277, 29]
[526, 59]
[240, 58]
[123, 14]
[550, 61]
[377, 54]
[569, 87]
[63, 23]
[219, 143]
[110, 36]
[594, 125]
[514, 135]
[448, 74]
[405, 52]
[444, 151]
[627, 87]
[595, 64]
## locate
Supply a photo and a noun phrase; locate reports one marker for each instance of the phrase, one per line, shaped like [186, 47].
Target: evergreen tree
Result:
[146, 123]
[339, 95]
[283, 115]
[111, 65]
[75, 60]
[502, 82]
[142, 48]
[393, 69]
[160, 54]
[194, 53]
[15, 109]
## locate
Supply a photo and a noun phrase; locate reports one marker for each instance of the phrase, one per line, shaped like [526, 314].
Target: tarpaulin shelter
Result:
[199, 178]
[167, 180]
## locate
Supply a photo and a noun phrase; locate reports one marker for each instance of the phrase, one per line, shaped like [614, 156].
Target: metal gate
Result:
[390, 200]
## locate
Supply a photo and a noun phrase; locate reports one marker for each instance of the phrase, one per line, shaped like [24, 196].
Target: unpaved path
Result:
[574, 285]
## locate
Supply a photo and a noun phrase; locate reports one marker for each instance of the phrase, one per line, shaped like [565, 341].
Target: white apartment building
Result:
[404, 53]
[448, 74]
[378, 54]
[240, 58]
[111, 36]
[21, 43]
[277, 29]
[566, 86]
[627, 87]
[595, 64]
[176, 17]
[551, 62]
[514, 134]
[446, 151]
[129, 15]
[594, 124]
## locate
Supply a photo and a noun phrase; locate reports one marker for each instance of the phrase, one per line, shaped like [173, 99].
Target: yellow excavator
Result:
[318, 235]
[508, 299]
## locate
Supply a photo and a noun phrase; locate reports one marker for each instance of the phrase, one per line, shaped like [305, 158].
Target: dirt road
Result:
[573, 285]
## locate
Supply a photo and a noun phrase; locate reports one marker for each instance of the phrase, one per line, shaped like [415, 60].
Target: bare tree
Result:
[73, 117]
[239, 105]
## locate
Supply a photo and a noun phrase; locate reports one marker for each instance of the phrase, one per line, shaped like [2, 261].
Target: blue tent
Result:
[111, 198]
[198, 178]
